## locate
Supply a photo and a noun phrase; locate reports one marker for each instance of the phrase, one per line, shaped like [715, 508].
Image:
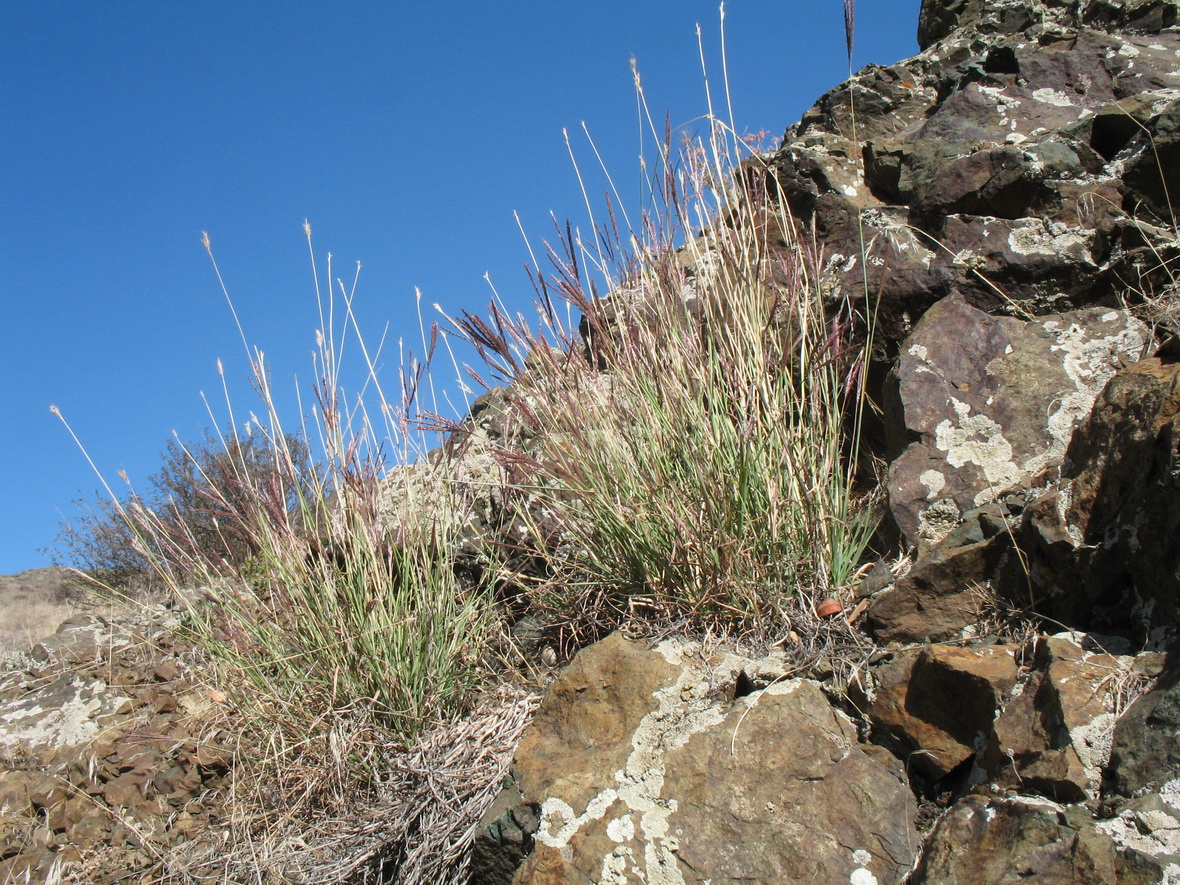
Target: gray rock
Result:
[504, 837]
[1006, 162]
[939, 18]
[1145, 755]
[992, 402]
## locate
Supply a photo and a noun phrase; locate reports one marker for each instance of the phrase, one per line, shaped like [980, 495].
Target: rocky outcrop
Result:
[1017, 161]
[1001, 199]
[677, 763]
[946, 592]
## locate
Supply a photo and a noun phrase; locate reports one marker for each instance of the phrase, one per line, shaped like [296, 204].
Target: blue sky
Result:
[406, 133]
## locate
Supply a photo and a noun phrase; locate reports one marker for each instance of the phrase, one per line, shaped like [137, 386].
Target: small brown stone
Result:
[91, 828]
[167, 671]
[14, 793]
[212, 756]
[67, 815]
[178, 781]
[48, 792]
[126, 790]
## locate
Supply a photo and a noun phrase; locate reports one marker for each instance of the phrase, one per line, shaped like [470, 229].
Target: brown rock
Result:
[126, 790]
[14, 793]
[166, 671]
[985, 841]
[1054, 738]
[47, 791]
[1102, 548]
[212, 757]
[69, 813]
[177, 781]
[590, 712]
[945, 592]
[938, 705]
[91, 828]
[31, 866]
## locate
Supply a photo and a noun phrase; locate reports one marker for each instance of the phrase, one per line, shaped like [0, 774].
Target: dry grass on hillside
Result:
[33, 603]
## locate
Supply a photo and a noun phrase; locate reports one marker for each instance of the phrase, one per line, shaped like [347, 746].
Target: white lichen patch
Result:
[839, 264]
[1037, 238]
[899, 234]
[1092, 742]
[71, 721]
[934, 481]
[1052, 96]
[862, 875]
[1000, 97]
[1038, 802]
[621, 829]
[978, 440]
[614, 867]
[1149, 831]
[1089, 362]
[1170, 793]
[938, 520]
[559, 823]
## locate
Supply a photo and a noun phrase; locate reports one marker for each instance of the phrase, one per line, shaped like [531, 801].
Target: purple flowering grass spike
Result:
[849, 25]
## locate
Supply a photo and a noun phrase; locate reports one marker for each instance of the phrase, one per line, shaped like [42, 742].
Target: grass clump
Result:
[693, 440]
[311, 599]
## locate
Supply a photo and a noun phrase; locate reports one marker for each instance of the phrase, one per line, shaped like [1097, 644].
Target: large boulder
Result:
[991, 402]
[654, 764]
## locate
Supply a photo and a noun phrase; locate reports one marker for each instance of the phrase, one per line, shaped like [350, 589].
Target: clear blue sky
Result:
[407, 133]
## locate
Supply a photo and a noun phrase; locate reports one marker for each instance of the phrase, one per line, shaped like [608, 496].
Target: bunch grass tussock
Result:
[693, 434]
[341, 632]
